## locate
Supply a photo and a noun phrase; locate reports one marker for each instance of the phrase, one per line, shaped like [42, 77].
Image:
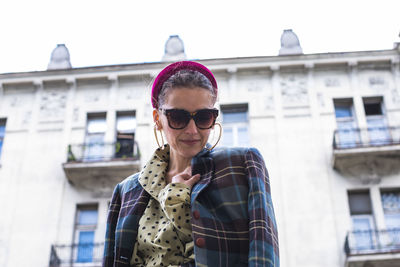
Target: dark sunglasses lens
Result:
[204, 118]
[178, 118]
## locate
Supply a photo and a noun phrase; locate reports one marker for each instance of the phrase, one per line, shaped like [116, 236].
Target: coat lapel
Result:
[202, 164]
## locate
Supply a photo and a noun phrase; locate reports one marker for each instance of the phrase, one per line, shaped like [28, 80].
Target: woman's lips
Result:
[190, 142]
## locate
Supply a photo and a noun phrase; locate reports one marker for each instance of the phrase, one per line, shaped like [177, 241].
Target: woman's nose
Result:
[191, 127]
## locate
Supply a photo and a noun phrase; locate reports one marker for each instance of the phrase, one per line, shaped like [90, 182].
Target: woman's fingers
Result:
[186, 177]
[194, 179]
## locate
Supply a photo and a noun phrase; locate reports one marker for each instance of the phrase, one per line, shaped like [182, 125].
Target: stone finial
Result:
[59, 58]
[174, 49]
[290, 44]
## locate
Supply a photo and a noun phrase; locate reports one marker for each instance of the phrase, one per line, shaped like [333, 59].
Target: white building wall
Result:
[291, 121]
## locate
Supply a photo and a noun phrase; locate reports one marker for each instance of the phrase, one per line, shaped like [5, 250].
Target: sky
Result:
[132, 31]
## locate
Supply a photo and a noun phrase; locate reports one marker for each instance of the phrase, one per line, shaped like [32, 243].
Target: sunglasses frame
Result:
[192, 115]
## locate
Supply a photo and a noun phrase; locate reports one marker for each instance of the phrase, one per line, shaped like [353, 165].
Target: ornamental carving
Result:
[92, 97]
[332, 82]
[52, 104]
[368, 169]
[75, 115]
[321, 99]
[376, 81]
[27, 118]
[294, 90]
[395, 96]
[254, 87]
[131, 93]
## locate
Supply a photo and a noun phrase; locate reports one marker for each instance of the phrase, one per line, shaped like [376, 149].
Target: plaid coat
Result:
[233, 221]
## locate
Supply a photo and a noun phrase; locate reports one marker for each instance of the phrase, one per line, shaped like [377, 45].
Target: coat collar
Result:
[202, 164]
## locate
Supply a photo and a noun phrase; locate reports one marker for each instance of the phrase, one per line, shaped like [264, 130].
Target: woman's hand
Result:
[186, 177]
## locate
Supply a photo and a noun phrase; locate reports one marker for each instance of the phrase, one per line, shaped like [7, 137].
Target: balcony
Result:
[101, 166]
[368, 154]
[77, 255]
[373, 248]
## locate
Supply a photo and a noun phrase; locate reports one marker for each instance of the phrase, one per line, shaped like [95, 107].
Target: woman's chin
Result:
[190, 151]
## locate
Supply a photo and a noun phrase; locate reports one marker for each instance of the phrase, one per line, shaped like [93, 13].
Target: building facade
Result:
[327, 125]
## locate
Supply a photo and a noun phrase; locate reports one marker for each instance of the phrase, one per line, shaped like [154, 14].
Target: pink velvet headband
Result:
[173, 68]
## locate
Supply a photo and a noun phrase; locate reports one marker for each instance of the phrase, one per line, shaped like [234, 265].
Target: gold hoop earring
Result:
[162, 138]
[219, 137]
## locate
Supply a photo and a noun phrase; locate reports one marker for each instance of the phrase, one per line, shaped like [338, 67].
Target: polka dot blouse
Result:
[165, 233]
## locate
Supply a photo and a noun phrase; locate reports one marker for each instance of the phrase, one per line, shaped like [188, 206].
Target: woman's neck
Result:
[177, 163]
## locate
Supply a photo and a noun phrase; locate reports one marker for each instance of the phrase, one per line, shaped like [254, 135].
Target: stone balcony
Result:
[98, 167]
[367, 154]
[373, 248]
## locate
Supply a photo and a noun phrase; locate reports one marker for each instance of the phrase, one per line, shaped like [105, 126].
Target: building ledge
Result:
[388, 259]
[369, 248]
[98, 168]
[368, 160]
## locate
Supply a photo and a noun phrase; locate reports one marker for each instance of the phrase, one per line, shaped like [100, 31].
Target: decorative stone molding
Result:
[376, 81]
[395, 95]
[369, 169]
[332, 82]
[294, 90]
[321, 99]
[52, 104]
[75, 114]
[254, 87]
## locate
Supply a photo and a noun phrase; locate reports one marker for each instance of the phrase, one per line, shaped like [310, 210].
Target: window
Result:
[126, 126]
[85, 228]
[95, 130]
[362, 220]
[391, 208]
[235, 125]
[376, 121]
[2, 133]
[347, 134]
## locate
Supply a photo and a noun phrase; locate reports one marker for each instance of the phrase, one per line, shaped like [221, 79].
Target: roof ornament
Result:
[174, 49]
[290, 44]
[59, 58]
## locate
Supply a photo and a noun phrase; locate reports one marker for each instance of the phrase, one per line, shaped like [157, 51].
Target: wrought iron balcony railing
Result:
[372, 242]
[89, 254]
[368, 137]
[126, 149]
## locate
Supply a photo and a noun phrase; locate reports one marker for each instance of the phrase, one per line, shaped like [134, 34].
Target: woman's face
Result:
[189, 141]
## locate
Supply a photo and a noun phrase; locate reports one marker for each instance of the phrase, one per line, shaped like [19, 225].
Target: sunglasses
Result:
[179, 118]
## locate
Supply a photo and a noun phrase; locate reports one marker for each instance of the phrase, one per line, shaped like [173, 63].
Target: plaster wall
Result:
[291, 121]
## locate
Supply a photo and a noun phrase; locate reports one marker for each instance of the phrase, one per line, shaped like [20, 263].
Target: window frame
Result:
[235, 126]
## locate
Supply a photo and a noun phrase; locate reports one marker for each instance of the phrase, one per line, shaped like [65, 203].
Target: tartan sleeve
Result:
[263, 235]
[112, 219]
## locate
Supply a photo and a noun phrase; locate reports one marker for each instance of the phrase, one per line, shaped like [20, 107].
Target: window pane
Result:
[392, 221]
[227, 137]
[96, 125]
[85, 246]
[94, 148]
[361, 224]
[343, 112]
[87, 217]
[230, 117]
[243, 136]
[372, 109]
[362, 233]
[360, 203]
[126, 123]
[391, 202]
[2, 129]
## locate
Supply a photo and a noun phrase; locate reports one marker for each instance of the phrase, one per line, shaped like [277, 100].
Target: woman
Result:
[192, 204]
